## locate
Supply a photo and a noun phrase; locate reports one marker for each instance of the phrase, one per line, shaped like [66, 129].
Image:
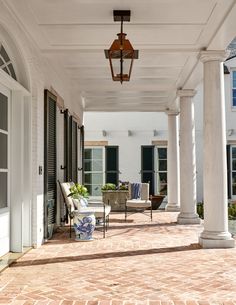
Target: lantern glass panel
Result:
[116, 64]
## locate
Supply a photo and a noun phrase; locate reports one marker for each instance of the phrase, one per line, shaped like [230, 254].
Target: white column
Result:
[215, 234]
[16, 171]
[188, 196]
[173, 163]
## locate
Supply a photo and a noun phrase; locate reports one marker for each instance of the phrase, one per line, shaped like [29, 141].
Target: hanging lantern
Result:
[121, 53]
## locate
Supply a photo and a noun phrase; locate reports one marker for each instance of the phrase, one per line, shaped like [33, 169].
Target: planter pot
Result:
[116, 199]
[157, 201]
[84, 225]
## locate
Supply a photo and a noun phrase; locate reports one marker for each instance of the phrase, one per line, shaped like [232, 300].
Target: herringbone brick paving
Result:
[139, 263]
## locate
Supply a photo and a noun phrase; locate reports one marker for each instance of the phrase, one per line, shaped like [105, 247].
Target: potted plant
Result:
[109, 187]
[78, 191]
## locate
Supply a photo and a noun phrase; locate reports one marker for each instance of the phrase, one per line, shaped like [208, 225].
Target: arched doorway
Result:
[15, 152]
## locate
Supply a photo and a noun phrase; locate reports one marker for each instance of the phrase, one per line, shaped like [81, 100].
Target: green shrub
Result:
[231, 210]
[109, 187]
[200, 209]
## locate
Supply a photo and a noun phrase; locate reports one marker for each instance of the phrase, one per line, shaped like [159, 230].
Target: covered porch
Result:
[57, 51]
[139, 262]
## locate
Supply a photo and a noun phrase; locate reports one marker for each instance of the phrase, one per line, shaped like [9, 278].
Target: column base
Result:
[211, 240]
[188, 218]
[172, 207]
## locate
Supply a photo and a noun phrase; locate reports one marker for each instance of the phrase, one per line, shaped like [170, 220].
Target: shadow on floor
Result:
[143, 225]
[68, 259]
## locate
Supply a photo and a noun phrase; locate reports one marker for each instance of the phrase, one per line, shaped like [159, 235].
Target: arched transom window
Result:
[6, 63]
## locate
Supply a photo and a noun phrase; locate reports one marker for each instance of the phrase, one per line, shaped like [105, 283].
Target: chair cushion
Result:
[65, 186]
[80, 203]
[98, 210]
[137, 203]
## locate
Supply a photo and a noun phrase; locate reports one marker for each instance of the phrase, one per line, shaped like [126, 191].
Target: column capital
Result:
[186, 92]
[213, 55]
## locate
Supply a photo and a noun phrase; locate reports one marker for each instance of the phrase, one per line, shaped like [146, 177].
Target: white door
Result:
[4, 170]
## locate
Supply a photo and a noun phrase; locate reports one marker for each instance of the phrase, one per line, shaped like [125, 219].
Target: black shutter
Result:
[74, 152]
[66, 144]
[112, 164]
[82, 151]
[70, 149]
[228, 148]
[147, 166]
[50, 164]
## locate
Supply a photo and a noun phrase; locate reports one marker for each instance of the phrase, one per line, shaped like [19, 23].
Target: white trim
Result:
[233, 108]
[5, 211]
[4, 131]
[97, 172]
[4, 170]
[156, 180]
[5, 91]
[9, 82]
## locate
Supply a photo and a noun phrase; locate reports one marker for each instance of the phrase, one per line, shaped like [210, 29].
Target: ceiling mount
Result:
[120, 15]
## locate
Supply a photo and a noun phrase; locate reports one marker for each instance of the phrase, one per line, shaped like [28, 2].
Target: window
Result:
[234, 88]
[161, 170]
[94, 170]
[3, 151]
[233, 170]
[6, 63]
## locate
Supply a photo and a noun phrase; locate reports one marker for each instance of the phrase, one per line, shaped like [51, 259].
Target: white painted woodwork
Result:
[215, 232]
[188, 196]
[17, 175]
[169, 35]
[5, 212]
[173, 163]
[27, 174]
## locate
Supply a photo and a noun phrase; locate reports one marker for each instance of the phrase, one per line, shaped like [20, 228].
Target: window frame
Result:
[103, 168]
[232, 88]
[5, 91]
[156, 159]
[5, 65]
[233, 196]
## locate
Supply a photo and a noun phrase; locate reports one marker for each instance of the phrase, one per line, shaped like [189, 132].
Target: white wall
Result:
[35, 73]
[141, 126]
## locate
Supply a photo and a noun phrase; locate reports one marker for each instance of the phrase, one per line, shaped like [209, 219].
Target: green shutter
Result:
[112, 164]
[147, 166]
[229, 169]
[74, 152]
[50, 164]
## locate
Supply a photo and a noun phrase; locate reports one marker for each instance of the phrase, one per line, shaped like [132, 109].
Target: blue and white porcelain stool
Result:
[84, 225]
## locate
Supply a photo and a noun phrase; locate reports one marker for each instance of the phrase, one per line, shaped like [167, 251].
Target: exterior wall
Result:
[117, 125]
[141, 126]
[35, 74]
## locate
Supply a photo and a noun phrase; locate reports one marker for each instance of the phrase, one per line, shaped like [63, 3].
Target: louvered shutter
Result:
[112, 164]
[147, 166]
[50, 161]
[74, 152]
[82, 151]
[228, 170]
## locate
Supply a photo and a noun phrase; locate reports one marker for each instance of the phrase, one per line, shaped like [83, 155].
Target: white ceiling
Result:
[168, 34]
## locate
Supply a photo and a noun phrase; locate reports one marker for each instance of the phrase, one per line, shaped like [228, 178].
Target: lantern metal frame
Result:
[121, 48]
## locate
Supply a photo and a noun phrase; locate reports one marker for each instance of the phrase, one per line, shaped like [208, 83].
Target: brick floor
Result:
[139, 263]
